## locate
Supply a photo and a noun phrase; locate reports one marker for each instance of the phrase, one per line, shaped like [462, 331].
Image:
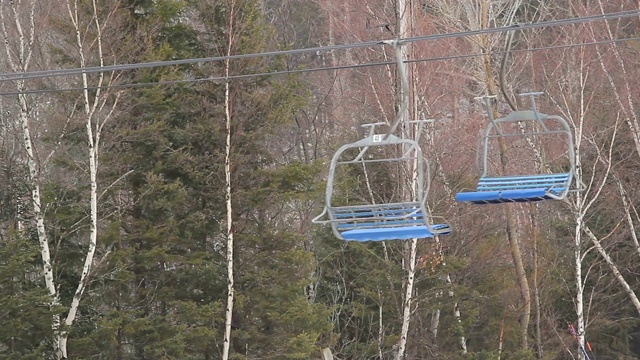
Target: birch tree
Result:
[19, 56]
[96, 113]
[98, 109]
[578, 100]
[403, 17]
[574, 101]
[623, 93]
[579, 202]
[628, 111]
[228, 111]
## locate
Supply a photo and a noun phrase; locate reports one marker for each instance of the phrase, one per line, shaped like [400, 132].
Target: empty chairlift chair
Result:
[524, 138]
[358, 220]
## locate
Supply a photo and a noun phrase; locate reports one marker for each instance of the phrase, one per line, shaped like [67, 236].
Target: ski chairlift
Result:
[384, 221]
[538, 186]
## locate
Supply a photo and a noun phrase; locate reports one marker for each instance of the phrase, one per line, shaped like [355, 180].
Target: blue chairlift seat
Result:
[522, 188]
[525, 188]
[387, 221]
[400, 221]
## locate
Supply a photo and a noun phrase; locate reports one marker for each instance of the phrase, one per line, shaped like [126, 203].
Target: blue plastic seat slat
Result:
[394, 233]
[524, 177]
[554, 191]
[518, 187]
[489, 197]
[521, 181]
[388, 223]
[345, 218]
[361, 214]
[491, 181]
[385, 205]
[523, 184]
[379, 207]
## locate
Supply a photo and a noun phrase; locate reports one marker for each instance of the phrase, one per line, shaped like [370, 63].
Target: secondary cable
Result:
[297, 71]
[76, 71]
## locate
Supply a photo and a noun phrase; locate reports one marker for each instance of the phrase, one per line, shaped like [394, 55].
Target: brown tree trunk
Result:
[512, 236]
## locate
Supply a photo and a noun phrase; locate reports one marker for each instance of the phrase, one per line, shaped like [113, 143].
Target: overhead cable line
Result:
[133, 66]
[297, 71]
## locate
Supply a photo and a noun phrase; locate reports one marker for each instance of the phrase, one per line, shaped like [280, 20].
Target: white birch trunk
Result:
[435, 318]
[626, 204]
[580, 206]
[408, 298]
[607, 161]
[579, 303]
[456, 315]
[92, 105]
[43, 240]
[230, 283]
[614, 269]
[19, 62]
[227, 170]
[501, 339]
[582, 201]
[403, 17]
[632, 122]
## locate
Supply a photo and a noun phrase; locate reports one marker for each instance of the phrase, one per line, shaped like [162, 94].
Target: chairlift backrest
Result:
[527, 124]
[410, 152]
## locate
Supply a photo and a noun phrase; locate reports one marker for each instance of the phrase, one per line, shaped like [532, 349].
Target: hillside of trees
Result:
[165, 211]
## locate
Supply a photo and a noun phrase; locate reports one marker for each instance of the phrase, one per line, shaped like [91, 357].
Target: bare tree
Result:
[577, 98]
[19, 57]
[98, 109]
[627, 104]
[574, 102]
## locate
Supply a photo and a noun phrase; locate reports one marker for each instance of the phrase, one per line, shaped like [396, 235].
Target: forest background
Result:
[164, 213]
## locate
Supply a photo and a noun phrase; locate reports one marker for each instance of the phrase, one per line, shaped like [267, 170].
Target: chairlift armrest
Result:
[555, 197]
[581, 187]
[316, 220]
[445, 230]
